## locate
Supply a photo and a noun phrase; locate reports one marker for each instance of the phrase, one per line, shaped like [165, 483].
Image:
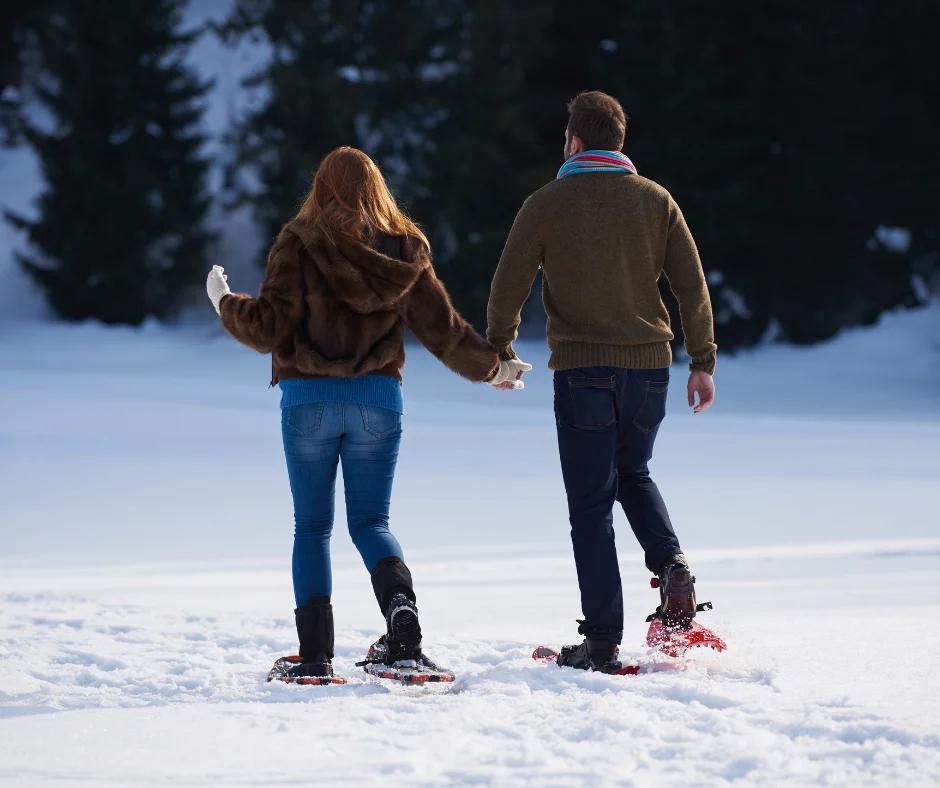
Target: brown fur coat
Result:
[341, 311]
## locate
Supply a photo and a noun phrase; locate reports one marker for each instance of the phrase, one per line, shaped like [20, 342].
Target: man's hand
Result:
[701, 383]
[509, 375]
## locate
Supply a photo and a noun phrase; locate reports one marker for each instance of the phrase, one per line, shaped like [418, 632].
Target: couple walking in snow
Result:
[351, 271]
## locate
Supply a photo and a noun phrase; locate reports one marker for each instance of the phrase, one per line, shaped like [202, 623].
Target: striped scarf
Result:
[596, 161]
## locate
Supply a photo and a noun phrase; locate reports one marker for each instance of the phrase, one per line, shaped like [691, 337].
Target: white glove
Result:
[509, 375]
[217, 286]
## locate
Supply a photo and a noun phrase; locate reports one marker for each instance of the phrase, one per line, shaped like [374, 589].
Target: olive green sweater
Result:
[603, 240]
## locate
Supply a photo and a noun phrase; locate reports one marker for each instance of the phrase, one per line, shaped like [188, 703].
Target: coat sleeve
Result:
[428, 312]
[683, 269]
[265, 322]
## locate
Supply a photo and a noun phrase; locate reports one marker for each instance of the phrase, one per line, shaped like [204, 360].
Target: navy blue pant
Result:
[316, 438]
[607, 421]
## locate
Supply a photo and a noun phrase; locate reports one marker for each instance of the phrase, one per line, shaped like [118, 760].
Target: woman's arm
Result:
[428, 312]
[263, 323]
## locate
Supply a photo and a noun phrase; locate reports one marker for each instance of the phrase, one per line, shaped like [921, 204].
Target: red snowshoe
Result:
[675, 641]
[673, 629]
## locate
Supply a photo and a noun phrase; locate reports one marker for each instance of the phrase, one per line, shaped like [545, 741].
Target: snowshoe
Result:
[571, 656]
[673, 629]
[675, 641]
[414, 668]
[397, 654]
[312, 664]
[297, 670]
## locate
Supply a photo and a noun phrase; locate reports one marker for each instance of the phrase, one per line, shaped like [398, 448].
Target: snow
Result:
[20, 298]
[894, 239]
[145, 582]
[157, 675]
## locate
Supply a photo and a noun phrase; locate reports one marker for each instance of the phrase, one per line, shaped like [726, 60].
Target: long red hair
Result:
[350, 199]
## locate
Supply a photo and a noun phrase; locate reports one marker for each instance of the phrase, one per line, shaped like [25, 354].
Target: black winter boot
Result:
[391, 581]
[315, 633]
[677, 605]
[600, 655]
[390, 576]
[403, 630]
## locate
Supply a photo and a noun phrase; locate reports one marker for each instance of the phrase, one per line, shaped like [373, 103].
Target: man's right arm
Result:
[512, 281]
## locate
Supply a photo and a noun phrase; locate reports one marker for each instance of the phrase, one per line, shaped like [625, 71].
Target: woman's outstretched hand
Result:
[217, 286]
[509, 375]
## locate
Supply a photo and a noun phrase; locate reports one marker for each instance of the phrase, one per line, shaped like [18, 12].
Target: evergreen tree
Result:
[120, 231]
[18, 25]
[789, 136]
[308, 108]
[353, 73]
[483, 157]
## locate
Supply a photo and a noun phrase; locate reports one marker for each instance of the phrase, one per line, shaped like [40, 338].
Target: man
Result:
[602, 236]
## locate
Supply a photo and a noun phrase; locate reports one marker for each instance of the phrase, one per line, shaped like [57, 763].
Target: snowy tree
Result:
[788, 138]
[340, 74]
[434, 91]
[19, 23]
[120, 231]
[483, 155]
[796, 141]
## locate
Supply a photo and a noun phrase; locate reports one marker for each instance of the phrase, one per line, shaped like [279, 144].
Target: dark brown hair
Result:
[598, 119]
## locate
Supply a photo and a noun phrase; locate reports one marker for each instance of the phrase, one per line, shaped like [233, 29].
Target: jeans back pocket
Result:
[588, 402]
[302, 420]
[380, 422]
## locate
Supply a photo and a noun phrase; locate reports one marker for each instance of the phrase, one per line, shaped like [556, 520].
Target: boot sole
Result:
[406, 630]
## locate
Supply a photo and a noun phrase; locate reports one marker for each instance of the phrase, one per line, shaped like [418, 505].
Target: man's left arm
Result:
[512, 281]
[683, 269]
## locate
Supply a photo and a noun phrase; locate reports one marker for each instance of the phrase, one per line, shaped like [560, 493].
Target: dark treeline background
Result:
[798, 137]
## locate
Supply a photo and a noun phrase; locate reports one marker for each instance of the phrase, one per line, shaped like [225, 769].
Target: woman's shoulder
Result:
[298, 230]
[389, 245]
[407, 248]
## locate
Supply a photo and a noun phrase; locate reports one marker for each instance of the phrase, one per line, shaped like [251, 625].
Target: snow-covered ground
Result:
[145, 525]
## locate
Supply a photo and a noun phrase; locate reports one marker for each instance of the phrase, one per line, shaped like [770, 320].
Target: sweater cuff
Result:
[703, 364]
[506, 353]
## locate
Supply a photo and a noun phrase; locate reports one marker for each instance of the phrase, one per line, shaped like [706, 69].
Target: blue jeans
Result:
[316, 437]
[607, 421]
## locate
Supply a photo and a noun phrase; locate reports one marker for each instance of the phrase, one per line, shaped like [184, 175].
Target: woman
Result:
[343, 279]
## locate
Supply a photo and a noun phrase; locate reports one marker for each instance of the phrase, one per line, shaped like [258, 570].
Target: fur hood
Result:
[362, 278]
